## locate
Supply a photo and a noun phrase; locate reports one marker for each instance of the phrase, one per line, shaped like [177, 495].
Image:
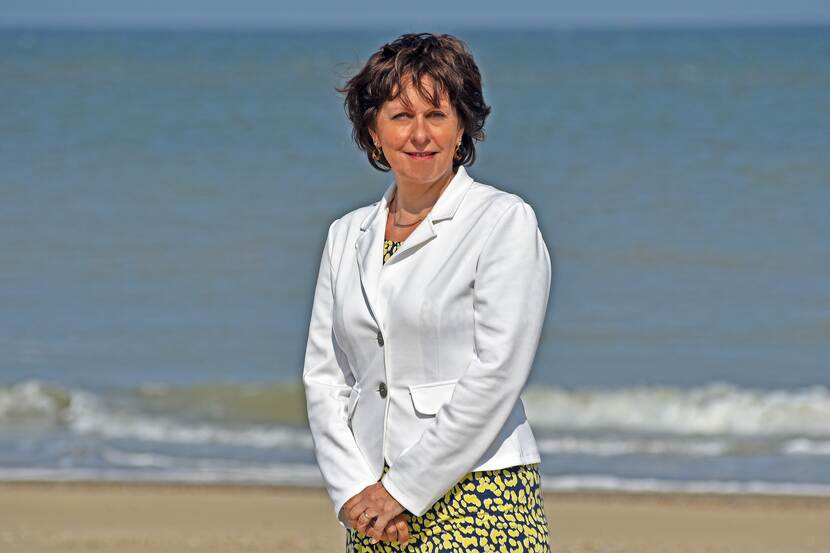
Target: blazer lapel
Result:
[369, 244]
[444, 208]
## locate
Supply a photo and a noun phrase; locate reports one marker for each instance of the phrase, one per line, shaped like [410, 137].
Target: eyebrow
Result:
[397, 103]
[401, 107]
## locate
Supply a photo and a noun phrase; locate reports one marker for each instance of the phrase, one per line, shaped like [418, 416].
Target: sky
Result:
[370, 14]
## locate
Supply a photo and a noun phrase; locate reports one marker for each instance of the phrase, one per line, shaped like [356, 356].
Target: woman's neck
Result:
[413, 201]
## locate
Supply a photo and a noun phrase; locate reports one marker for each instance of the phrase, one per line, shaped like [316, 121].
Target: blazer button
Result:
[380, 339]
[382, 389]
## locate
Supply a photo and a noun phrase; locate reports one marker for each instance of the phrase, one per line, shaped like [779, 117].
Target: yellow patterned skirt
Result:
[486, 511]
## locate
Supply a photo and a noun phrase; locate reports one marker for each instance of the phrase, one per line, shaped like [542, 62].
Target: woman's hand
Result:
[397, 530]
[375, 513]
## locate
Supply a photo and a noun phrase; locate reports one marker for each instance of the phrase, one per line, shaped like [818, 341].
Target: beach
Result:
[158, 297]
[150, 517]
[166, 195]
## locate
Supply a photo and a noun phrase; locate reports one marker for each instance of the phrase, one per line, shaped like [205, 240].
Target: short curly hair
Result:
[448, 62]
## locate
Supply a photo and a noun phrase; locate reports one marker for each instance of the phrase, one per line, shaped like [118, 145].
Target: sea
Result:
[164, 198]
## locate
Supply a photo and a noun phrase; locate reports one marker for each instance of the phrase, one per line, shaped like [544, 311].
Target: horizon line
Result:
[34, 24]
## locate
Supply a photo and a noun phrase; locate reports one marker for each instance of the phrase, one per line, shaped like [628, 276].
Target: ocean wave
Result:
[715, 409]
[89, 414]
[718, 419]
[33, 400]
[608, 447]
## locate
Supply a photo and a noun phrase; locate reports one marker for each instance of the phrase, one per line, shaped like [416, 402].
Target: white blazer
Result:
[420, 361]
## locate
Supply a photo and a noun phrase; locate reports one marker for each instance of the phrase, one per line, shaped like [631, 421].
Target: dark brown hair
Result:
[446, 60]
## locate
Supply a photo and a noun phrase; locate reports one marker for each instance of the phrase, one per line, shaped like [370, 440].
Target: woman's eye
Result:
[433, 114]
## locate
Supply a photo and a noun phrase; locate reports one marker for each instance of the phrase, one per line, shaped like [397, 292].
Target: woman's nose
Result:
[420, 134]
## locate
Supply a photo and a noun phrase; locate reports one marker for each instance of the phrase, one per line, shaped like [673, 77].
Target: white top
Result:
[420, 361]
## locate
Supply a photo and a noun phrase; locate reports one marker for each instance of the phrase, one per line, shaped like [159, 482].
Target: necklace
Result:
[394, 217]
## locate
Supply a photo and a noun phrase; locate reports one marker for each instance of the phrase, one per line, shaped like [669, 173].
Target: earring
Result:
[457, 154]
[376, 153]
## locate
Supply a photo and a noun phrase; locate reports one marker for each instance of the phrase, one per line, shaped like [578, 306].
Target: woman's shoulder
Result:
[492, 201]
[351, 218]
[345, 229]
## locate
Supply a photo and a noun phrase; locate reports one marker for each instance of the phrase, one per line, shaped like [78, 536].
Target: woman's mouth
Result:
[421, 155]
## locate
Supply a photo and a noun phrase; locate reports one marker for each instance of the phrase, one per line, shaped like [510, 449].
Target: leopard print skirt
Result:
[486, 511]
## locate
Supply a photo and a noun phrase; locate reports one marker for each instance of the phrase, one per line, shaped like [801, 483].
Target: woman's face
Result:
[403, 132]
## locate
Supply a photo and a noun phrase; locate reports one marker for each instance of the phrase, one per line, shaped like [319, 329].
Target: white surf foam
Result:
[717, 408]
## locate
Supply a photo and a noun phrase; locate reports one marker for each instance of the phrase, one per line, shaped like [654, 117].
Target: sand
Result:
[72, 517]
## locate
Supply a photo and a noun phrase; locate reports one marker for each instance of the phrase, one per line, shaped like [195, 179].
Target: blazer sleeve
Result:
[511, 289]
[326, 380]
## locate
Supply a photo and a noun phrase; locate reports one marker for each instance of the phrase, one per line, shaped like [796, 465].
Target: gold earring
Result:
[376, 153]
[457, 154]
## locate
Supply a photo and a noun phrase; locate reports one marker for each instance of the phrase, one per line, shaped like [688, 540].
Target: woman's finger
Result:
[355, 510]
[360, 524]
[378, 529]
[391, 532]
[363, 522]
[357, 514]
[403, 531]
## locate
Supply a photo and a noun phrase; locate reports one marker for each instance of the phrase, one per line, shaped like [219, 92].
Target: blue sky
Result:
[365, 13]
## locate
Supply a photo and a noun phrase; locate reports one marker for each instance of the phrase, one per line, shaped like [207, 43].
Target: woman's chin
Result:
[422, 170]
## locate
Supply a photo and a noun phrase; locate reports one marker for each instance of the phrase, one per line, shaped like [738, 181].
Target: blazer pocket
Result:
[428, 398]
[354, 395]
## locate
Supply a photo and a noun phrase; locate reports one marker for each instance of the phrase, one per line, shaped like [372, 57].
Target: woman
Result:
[427, 314]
